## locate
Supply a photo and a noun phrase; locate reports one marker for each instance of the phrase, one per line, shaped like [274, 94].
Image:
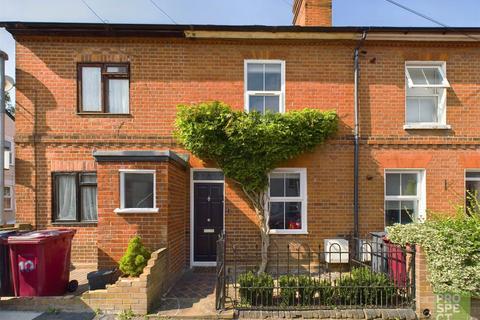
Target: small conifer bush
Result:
[135, 258]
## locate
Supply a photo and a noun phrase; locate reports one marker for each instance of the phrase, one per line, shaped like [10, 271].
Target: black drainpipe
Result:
[356, 55]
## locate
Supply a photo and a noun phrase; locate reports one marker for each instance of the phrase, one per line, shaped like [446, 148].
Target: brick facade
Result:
[165, 72]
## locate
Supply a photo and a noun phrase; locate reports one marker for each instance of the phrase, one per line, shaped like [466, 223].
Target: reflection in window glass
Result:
[286, 200]
[264, 87]
[401, 197]
[138, 190]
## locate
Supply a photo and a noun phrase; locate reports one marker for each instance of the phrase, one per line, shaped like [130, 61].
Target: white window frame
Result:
[9, 197]
[11, 159]
[441, 95]
[302, 198]
[122, 208]
[281, 93]
[420, 198]
[469, 179]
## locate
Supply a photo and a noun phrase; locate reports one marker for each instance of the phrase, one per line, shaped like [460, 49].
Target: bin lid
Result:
[101, 273]
[41, 235]
[7, 233]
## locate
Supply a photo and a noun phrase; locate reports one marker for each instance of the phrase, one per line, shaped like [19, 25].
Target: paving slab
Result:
[18, 315]
[193, 296]
[66, 316]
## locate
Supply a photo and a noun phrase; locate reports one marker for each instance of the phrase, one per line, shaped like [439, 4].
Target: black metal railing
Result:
[220, 288]
[371, 273]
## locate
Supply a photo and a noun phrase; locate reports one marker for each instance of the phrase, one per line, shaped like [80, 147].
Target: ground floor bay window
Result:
[288, 201]
[404, 196]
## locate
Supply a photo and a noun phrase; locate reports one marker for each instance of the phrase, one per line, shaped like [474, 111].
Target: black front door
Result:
[208, 220]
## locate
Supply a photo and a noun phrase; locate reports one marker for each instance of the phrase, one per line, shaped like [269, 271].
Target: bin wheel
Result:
[72, 286]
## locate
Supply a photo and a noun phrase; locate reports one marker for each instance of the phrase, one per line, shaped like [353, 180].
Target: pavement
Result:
[18, 315]
[28, 315]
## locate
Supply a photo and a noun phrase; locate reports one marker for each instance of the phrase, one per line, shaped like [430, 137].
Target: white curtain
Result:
[67, 198]
[118, 99]
[89, 203]
[91, 89]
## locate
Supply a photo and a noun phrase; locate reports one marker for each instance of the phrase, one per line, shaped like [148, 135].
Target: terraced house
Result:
[96, 105]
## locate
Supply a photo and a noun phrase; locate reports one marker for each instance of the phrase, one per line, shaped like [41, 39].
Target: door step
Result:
[204, 270]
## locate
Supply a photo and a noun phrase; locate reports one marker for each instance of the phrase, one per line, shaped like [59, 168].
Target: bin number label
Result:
[26, 266]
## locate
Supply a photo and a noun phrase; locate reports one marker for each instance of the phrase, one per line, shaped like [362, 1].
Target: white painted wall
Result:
[10, 173]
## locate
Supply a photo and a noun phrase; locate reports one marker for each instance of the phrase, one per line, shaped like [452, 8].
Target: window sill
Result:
[136, 210]
[427, 127]
[75, 223]
[104, 114]
[288, 232]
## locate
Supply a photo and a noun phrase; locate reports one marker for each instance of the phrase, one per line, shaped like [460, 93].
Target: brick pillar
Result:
[475, 308]
[424, 297]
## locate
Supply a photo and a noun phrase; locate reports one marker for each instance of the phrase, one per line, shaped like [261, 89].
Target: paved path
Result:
[18, 315]
[192, 296]
[30, 315]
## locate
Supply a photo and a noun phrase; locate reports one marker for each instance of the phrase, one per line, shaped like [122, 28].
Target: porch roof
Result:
[139, 156]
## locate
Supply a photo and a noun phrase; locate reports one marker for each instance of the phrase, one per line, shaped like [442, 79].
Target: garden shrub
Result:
[451, 245]
[135, 258]
[256, 290]
[365, 287]
[304, 290]
[326, 292]
[307, 287]
[288, 290]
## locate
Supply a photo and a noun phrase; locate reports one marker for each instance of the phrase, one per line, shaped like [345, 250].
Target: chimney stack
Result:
[316, 13]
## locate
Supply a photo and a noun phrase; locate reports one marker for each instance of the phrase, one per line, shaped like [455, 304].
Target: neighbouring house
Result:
[97, 102]
[9, 168]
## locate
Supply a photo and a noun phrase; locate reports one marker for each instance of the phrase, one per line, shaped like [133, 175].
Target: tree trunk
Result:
[260, 202]
[263, 214]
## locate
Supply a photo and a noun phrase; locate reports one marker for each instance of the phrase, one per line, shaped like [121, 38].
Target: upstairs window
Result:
[426, 94]
[9, 156]
[104, 88]
[7, 197]
[288, 201]
[404, 196]
[265, 86]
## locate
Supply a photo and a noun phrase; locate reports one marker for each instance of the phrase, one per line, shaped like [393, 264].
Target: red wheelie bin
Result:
[6, 288]
[396, 264]
[40, 262]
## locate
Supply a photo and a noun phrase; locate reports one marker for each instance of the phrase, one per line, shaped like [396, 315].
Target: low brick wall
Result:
[138, 294]
[358, 314]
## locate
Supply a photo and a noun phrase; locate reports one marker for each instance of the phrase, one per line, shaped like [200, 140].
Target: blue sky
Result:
[463, 13]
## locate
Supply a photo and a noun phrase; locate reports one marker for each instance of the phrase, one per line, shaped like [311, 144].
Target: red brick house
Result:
[96, 105]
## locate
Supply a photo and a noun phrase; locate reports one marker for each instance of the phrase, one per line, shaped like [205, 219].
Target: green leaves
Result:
[247, 146]
[135, 258]
[452, 248]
